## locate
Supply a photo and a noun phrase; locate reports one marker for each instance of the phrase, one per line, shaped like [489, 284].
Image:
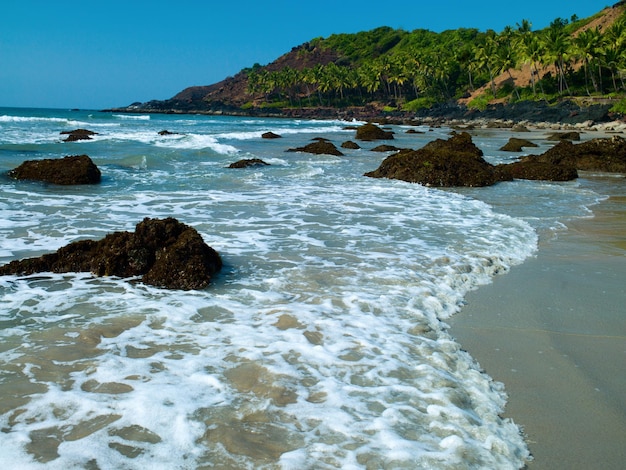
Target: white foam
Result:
[132, 117]
[322, 343]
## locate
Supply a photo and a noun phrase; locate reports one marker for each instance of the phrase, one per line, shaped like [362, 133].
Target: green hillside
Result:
[404, 70]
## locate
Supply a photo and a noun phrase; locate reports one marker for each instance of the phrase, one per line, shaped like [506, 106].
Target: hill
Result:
[394, 71]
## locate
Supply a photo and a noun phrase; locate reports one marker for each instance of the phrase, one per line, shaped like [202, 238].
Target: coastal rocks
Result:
[319, 147]
[75, 169]
[165, 252]
[385, 148]
[270, 135]
[608, 155]
[246, 163]
[350, 145]
[441, 163]
[371, 131]
[166, 132]
[531, 168]
[78, 134]
[558, 136]
[516, 145]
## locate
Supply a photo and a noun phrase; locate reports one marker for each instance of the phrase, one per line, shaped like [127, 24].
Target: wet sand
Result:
[553, 330]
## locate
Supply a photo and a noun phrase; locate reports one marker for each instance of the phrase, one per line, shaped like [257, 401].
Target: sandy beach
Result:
[553, 330]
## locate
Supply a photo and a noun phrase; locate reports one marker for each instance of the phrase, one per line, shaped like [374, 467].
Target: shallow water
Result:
[322, 343]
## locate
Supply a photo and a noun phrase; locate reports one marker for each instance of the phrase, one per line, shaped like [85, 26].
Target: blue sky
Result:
[94, 55]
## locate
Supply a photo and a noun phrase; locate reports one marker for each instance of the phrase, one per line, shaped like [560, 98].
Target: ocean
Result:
[322, 343]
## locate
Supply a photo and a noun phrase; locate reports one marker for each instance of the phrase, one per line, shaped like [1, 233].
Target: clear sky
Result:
[98, 54]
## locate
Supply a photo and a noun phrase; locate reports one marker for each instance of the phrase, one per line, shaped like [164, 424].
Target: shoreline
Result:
[553, 330]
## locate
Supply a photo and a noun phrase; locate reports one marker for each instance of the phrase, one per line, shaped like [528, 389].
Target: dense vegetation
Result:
[410, 70]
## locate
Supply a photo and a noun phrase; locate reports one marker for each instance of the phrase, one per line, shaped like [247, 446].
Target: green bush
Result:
[619, 107]
[419, 103]
[480, 102]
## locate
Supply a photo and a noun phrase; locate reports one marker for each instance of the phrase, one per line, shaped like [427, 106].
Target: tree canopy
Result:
[408, 70]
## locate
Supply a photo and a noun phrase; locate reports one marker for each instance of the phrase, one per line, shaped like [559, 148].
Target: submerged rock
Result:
[607, 154]
[165, 252]
[516, 145]
[453, 162]
[319, 147]
[248, 163]
[564, 136]
[371, 131]
[270, 135]
[78, 134]
[75, 169]
[386, 148]
[350, 145]
[530, 168]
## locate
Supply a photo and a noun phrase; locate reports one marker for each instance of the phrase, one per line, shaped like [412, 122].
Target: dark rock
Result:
[564, 136]
[319, 147]
[350, 145]
[248, 163]
[516, 145]
[530, 168]
[78, 134]
[607, 155]
[519, 128]
[166, 132]
[270, 135]
[414, 131]
[165, 252]
[371, 131]
[453, 162]
[385, 148]
[76, 169]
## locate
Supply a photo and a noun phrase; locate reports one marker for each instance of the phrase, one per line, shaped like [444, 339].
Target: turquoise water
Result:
[321, 344]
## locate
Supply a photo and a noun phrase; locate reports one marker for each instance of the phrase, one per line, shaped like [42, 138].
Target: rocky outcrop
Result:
[516, 145]
[371, 131]
[270, 135]
[441, 163]
[165, 252]
[248, 163]
[607, 155]
[319, 147]
[458, 162]
[530, 168]
[75, 169]
[564, 136]
[78, 134]
[350, 145]
[386, 148]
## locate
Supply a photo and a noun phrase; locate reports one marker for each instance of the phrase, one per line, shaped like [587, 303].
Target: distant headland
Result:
[570, 72]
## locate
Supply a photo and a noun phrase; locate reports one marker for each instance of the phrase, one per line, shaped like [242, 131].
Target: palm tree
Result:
[485, 53]
[589, 45]
[557, 47]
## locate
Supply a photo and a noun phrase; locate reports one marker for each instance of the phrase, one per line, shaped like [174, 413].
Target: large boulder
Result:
[442, 163]
[248, 162]
[319, 147]
[78, 134]
[371, 131]
[532, 168]
[75, 169]
[516, 145]
[607, 154]
[165, 252]
[270, 135]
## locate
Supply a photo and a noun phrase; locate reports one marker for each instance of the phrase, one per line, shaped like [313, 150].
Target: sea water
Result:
[322, 343]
